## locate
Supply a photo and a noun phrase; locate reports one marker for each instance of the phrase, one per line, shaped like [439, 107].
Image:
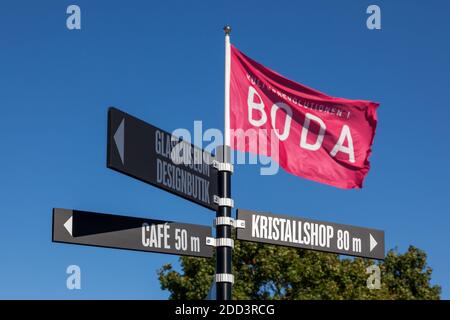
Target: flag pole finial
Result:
[227, 29]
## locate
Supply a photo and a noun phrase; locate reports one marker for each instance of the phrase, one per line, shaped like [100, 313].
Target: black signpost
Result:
[154, 156]
[224, 278]
[311, 234]
[123, 232]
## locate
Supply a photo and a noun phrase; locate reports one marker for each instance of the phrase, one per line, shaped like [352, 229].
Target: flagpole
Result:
[224, 244]
[227, 30]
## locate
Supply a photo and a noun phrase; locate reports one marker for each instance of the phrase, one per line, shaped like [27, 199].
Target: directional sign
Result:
[311, 234]
[154, 156]
[123, 232]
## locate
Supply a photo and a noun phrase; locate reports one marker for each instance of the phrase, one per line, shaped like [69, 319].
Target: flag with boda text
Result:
[310, 134]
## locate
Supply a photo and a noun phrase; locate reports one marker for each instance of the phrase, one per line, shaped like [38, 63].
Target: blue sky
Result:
[162, 61]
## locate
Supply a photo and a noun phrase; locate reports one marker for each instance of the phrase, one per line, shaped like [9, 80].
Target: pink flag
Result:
[309, 133]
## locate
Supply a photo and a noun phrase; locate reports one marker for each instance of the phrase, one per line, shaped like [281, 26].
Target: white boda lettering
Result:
[258, 107]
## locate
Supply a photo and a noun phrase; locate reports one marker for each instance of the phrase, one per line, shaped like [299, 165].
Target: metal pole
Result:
[223, 230]
[223, 253]
[227, 30]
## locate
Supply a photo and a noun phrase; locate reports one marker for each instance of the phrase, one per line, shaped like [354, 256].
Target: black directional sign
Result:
[311, 234]
[123, 232]
[155, 156]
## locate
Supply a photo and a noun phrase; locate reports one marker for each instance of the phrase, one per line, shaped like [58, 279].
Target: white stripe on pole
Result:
[227, 86]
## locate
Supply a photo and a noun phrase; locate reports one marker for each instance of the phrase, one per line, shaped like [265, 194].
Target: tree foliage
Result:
[273, 272]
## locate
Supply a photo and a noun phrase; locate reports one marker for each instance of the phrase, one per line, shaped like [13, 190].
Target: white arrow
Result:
[119, 139]
[373, 242]
[68, 225]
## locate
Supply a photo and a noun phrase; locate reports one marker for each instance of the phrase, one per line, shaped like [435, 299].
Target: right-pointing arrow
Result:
[373, 242]
[119, 139]
[68, 225]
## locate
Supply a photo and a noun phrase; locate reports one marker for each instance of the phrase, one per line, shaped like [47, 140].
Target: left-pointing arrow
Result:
[68, 225]
[119, 139]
